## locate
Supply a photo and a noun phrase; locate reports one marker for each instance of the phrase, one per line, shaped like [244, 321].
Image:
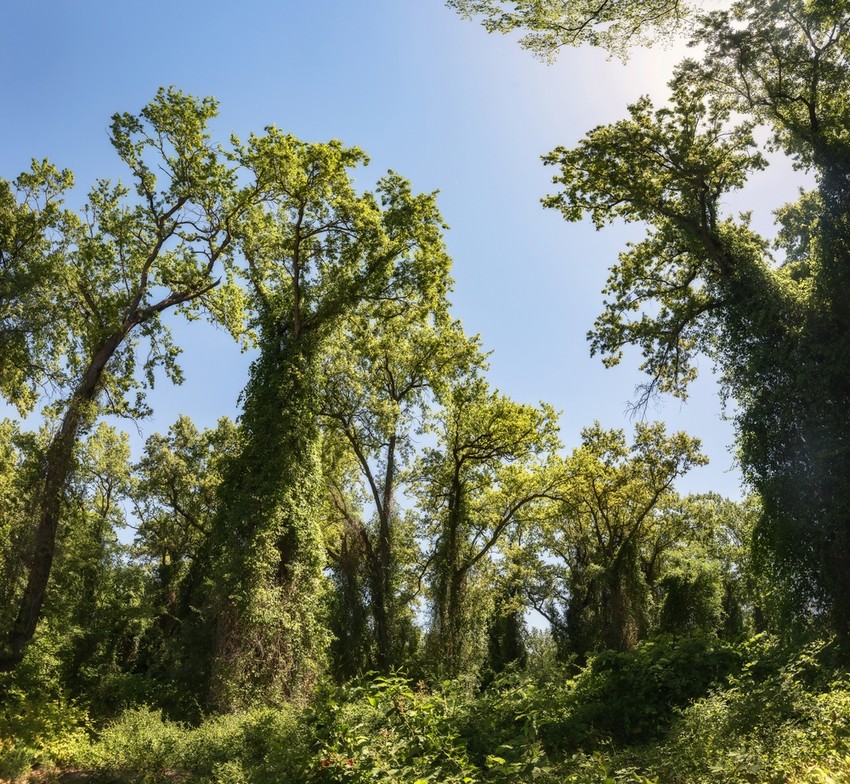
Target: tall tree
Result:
[99, 283]
[487, 471]
[19, 467]
[175, 499]
[314, 252]
[379, 380]
[91, 607]
[702, 281]
[707, 580]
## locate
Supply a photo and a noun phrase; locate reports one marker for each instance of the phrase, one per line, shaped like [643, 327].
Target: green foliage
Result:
[33, 241]
[703, 282]
[258, 541]
[683, 711]
[490, 472]
[91, 621]
[141, 746]
[317, 253]
[93, 600]
[781, 717]
[628, 698]
[176, 483]
[379, 375]
[19, 458]
[600, 553]
[99, 284]
[693, 594]
[39, 725]
[549, 25]
[386, 730]
[138, 743]
[619, 698]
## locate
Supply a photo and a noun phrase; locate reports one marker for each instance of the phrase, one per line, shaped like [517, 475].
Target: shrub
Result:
[780, 719]
[386, 730]
[260, 746]
[139, 743]
[632, 697]
[38, 727]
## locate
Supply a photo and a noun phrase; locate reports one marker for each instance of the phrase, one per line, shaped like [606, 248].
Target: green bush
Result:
[139, 744]
[679, 711]
[385, 730]
[631, 697]
[265, 744]
[503, 724]
[39, 726]
[261, 746]
[782, 718]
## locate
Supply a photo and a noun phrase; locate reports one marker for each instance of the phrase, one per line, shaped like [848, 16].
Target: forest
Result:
[385, 569]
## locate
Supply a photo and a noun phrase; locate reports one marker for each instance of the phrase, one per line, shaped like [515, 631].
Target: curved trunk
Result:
[57, 469]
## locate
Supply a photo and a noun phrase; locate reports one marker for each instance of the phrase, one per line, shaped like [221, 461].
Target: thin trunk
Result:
[382, 597]
[450, 590]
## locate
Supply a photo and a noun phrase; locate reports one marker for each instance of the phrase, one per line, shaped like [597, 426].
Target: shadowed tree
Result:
[380, 378]
[487, 472]
[777, 327]
[605, 544]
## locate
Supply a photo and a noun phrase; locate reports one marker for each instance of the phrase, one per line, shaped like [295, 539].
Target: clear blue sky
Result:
[422, 92]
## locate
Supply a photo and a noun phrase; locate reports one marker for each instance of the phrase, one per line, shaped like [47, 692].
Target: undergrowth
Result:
[681, 711]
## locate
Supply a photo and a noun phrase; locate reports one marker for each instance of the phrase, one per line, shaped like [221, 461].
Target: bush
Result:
[139, 744]
[260, 746]
[38, 726]
[780, 719]
[386, 730]
[632, 697]
[265, 744]
[642, 717]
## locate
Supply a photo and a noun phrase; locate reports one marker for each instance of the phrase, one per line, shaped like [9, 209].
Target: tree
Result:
[315, 251]
[33, 243]
[379, 378]
[488, 471]
[91, 607]
[704, 282]
[100, 283]
[707, 581]
[175, 497]
[617, 519]
[175, 500]
[19, 467]
[353, 648]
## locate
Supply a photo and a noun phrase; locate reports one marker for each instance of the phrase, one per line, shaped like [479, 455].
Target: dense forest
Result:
[385, 569]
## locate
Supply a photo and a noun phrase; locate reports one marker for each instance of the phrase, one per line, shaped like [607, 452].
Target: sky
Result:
[424, 93]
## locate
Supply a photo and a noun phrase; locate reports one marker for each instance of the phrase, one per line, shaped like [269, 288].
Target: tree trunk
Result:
[57, 468]
[384, 589]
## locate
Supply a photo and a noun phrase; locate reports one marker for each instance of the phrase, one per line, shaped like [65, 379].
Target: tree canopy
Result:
[83, 291]
[549, 25]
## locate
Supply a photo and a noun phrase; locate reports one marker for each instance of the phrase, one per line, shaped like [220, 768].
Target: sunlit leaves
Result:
[35, 233]
[605, 539]
[490, 469]
[548, 25]
[704, 283]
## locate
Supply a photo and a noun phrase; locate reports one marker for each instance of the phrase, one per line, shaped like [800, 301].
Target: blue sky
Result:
[422, 92]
